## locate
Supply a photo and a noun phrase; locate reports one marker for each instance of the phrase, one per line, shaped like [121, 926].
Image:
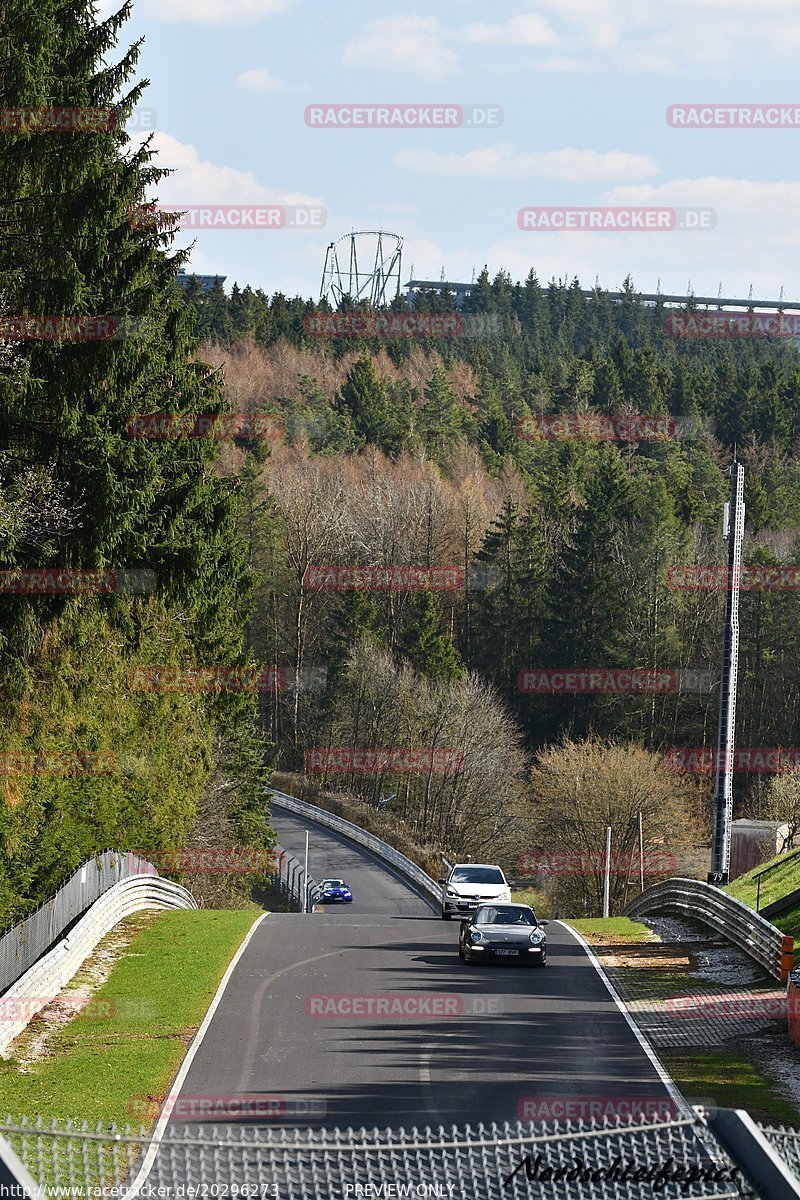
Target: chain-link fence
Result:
[573, 1161]
[290, 881]
[21, 946]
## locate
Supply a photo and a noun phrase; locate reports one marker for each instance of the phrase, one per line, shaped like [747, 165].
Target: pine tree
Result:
[363, 396]
[422, 642]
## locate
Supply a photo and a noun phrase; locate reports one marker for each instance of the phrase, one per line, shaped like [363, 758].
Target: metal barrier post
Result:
[747, 1147]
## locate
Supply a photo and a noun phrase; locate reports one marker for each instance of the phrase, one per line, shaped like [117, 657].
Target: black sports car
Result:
[503, 932]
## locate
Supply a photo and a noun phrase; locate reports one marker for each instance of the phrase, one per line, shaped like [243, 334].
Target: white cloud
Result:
[199, 181]
[529, 29]
[665, 36]
[210, 12]
[503, 162]
[563, 64]
[413, 44]
[258, 80]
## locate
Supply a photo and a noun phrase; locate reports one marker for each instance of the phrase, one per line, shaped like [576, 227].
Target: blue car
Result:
[336, 891]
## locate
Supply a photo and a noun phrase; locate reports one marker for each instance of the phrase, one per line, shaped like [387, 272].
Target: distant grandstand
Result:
[460, 291]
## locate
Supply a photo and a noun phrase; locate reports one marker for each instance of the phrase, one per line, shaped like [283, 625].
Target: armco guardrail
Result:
[733, 919]
[287, 879]
[394, 858]
[48, 976]
[21, 946]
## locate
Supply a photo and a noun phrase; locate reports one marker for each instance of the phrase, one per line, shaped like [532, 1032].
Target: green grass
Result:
[729, 1081]
[534, 897]
[601, 930]
[773, 886]
[103, 1066]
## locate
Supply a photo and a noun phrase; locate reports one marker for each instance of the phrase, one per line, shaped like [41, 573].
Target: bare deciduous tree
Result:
[581, 788]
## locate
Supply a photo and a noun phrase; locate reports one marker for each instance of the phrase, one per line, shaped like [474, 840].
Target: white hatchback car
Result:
[469, 885]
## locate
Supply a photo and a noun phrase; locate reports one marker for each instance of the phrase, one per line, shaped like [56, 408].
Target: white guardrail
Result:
[730, 917]
[45, 979]
[408, 869]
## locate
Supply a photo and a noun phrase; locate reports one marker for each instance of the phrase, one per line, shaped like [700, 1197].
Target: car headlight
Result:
[476, 936]
[537, 937]
[451, 891]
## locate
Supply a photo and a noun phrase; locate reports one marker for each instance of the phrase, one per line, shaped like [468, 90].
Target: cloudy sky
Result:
[584, 87]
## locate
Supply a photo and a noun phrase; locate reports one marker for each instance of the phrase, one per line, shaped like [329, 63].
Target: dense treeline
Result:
[422, 453]
[77, 492]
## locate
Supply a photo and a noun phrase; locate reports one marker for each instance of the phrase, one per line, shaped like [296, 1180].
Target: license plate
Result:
[506, 951]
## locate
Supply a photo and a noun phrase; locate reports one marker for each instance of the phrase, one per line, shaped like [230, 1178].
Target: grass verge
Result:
[106, 1065]
[729, 1081]
[603, 931]
[535, 898]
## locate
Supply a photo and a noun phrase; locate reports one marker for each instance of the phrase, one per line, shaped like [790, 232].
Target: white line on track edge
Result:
[659, 1067]
[163, 1120]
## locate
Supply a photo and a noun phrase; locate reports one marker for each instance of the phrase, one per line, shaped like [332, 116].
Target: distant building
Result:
[206, 282]
[458, 290]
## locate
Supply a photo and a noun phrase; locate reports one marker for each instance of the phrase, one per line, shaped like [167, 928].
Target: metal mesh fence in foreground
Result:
[474, 1162]
[787, 1144]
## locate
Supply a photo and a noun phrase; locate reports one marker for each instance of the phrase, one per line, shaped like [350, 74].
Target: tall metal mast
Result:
[723, 796]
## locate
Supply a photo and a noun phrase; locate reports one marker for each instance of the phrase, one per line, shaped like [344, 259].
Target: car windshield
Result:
[333, 883]
[505, 916]
[477, 875]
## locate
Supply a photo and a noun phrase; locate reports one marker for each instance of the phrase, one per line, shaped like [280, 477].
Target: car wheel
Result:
[446, 916]
[467, 957]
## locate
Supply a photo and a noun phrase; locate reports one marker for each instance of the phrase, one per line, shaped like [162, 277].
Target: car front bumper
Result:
[466, 906]
[498, 952]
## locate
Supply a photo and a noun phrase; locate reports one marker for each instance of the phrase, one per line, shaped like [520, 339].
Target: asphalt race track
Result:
[482, 1044]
